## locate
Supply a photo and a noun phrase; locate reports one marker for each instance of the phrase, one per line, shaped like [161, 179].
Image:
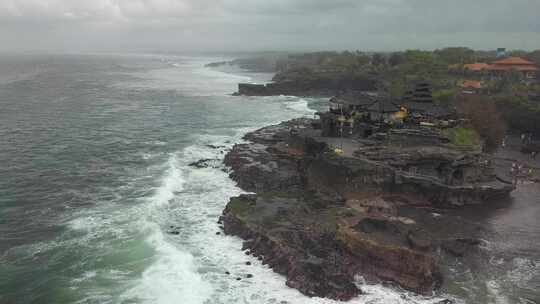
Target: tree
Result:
[378, 59]
[517, 53]
[519, 113]
[534, 56]
[396, 59]
[423, 65]
[484, 117]
[444, 97]
[362, 59]
[455, 55]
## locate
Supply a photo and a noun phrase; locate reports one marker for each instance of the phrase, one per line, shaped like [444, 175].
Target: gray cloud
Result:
[215, 25]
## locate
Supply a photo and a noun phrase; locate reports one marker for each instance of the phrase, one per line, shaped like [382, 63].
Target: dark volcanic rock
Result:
[255, 165]
[445, 301]
[321, 219]
[459, 247]
[320, 85]
[308, 260]
[206, 163]
[419, 239]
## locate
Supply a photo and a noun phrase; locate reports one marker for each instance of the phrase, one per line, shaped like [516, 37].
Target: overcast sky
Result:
[251, 25]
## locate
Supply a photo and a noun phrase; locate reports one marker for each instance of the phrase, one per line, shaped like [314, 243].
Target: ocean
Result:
[94, 177]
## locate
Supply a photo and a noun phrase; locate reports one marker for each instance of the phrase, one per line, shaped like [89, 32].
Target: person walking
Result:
[513, 173]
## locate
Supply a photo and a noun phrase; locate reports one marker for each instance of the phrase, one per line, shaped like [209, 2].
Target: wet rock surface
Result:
[205, 163]
[321, 219]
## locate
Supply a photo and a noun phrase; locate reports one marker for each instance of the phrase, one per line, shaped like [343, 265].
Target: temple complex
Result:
[360, 114]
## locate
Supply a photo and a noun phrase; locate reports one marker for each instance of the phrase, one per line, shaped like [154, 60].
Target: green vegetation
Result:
[463, 137]
[445, 97]
[394, 73]
[484, 117]
[534, 56]
[519, 113]
[239, 206]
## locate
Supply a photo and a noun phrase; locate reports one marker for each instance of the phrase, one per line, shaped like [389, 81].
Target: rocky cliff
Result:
[325, 220]
[314, 85]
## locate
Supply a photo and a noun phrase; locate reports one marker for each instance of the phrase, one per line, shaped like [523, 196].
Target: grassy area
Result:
[463, 137]
[239, 207]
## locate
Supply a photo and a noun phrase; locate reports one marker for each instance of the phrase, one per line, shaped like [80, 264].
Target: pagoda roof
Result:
[383, 106]
[427, 108]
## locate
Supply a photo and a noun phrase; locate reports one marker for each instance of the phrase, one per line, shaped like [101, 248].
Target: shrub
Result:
[463, 136]
[444, 97]
[484, 118]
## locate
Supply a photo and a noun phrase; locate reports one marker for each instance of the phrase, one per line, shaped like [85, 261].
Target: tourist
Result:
[521, 173]
[513, 169]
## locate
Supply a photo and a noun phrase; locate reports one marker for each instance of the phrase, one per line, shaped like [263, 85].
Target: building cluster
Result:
[496, 70]
[360, 114]
[502, 67]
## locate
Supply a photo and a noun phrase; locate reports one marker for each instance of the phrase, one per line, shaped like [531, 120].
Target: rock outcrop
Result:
[323, 220]
[319, 85]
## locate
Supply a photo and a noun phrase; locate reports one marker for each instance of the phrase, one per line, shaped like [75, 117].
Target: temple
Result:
[349, 114]
[362, 114]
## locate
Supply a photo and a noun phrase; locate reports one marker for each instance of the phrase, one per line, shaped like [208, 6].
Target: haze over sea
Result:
[95, 153]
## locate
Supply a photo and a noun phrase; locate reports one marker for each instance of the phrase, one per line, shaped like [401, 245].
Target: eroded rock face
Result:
[257, 170]
[322, 219]
[381, 249]
[321, 245]
[290, 239]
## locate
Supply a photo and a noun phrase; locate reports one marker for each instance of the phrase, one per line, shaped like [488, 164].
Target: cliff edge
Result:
[380, 211]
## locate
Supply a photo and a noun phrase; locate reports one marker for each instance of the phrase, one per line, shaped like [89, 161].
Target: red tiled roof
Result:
[471, 84]
[512, 67]
[513, 61]
[476, 67]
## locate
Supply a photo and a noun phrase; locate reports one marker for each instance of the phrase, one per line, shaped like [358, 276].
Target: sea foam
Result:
[191, 265]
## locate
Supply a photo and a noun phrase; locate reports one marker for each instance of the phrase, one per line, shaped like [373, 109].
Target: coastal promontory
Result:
[377, 210]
